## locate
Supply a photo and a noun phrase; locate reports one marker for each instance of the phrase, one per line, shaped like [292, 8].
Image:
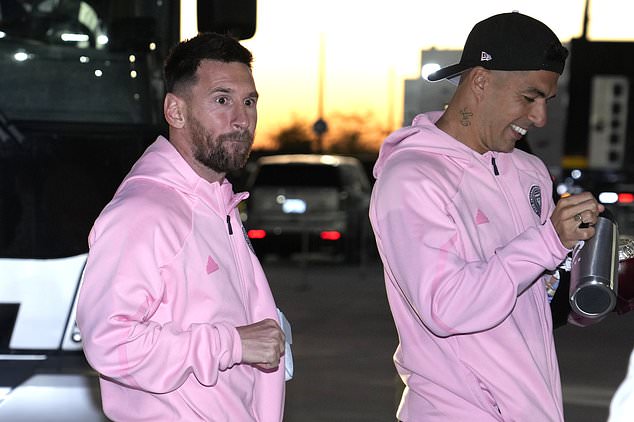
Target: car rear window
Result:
[298, 175]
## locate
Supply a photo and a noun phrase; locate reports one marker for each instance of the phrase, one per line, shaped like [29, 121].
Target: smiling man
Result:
[470, 238]
[175, 311]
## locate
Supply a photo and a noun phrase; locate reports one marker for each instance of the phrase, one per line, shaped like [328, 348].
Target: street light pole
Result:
[320, 127]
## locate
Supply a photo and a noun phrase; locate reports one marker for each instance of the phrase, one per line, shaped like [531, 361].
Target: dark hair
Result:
[184, 58]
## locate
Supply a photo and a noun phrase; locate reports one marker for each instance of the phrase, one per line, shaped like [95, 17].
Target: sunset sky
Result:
[371, 47]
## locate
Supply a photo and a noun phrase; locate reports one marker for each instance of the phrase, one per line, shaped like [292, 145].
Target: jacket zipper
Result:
[239, 269]
[548, 340]
[495, 167]
[229, 224]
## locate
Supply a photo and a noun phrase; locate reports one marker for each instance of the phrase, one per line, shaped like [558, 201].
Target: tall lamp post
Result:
[320, 126]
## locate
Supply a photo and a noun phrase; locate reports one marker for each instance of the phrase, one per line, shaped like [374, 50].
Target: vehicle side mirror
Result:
[236, 17]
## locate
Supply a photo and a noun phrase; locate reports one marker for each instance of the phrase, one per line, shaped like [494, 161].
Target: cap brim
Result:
[449, 72]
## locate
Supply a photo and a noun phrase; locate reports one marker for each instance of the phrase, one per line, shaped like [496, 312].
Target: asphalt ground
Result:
[343, 341]
[344, 338]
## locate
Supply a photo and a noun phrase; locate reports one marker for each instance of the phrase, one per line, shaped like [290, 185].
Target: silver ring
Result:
[578, 217]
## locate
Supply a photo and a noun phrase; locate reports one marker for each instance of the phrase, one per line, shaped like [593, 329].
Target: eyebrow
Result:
[224, 90]
[539, 93]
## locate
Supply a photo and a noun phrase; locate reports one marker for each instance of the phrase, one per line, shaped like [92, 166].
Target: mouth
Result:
[237, 137]
[519, 130]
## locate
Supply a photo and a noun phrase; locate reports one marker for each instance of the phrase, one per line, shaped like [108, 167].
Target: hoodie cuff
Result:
[229, 346]
[236, 353]
[553, 244]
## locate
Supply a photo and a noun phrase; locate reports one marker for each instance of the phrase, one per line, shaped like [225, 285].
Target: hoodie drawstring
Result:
[495, 167]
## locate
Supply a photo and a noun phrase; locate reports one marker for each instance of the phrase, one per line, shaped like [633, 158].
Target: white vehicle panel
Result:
[45, 289]
[59, 398]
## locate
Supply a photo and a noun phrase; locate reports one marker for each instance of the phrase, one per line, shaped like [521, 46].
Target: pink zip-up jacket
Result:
[465, 240]
[169, 277]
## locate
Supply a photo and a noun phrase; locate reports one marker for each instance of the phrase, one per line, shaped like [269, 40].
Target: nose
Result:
[538, 114]
[241, 118]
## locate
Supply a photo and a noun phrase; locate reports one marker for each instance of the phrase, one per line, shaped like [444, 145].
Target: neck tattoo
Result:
[465, 120]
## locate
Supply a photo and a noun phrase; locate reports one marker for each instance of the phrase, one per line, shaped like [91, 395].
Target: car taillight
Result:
[626, 198]
[256, 234]
[330, 235]
[614, 198]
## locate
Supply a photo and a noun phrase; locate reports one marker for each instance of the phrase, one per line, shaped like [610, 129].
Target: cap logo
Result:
[485, 57]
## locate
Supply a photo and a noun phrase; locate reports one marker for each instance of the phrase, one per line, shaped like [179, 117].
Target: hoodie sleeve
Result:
[423, 249]
[119, 302]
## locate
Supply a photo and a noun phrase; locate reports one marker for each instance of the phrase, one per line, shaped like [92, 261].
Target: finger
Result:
[583, 217]
[573, 212]
[586, 212]
[267, 366]
[579, 221]
[274, 362]
[586, 232]
[587, 217]
[577, 199]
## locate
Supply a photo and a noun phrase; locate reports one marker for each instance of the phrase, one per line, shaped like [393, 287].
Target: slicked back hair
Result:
[183, 60]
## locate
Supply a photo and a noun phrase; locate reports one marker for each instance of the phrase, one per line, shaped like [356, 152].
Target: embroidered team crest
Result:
[535, 198]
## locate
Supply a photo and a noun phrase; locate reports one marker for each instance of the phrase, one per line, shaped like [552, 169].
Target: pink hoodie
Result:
[464, 252]
[169, 277]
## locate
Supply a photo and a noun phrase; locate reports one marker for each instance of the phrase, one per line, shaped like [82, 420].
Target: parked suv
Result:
[308, 203]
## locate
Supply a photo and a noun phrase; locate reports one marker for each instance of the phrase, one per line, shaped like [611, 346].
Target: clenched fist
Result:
[262, 343]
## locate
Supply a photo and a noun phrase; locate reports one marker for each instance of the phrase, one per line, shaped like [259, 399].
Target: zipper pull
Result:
[229, 224]
[495, 167]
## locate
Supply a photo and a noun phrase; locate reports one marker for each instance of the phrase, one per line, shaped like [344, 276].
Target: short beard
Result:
[224, 153]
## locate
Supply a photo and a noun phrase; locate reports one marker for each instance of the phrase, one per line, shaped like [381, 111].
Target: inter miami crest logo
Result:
[535, 198]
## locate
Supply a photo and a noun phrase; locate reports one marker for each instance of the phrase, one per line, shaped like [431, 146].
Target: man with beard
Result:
[175, 311]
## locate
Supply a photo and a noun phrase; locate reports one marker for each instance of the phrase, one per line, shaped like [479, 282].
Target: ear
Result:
[479, 78]
[174, 110]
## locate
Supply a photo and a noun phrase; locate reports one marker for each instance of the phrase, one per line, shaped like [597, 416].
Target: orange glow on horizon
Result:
[372, 47]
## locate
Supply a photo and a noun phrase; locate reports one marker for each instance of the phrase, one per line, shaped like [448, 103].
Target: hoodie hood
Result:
[161, 162]
[421, 136]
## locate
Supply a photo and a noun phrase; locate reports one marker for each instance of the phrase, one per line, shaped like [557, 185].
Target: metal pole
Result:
[320, 87]
[586, 20]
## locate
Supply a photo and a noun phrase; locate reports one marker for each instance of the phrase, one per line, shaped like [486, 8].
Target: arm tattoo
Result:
[465, 120]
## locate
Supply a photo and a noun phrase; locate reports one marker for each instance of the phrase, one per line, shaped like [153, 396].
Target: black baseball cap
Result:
[508, 41]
